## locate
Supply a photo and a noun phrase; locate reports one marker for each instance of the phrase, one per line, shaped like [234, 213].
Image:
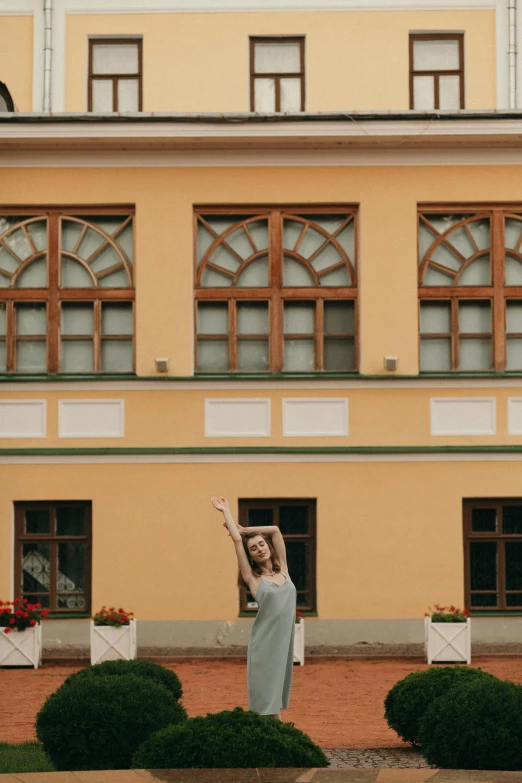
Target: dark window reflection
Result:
[293, 520]
[70, 521]
[260, 516]
[37, 522]
[297, 556]
[512, 520]
[483, 565]
[484, 520]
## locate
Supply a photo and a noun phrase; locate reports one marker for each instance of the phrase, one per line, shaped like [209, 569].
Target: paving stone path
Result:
[384, 758]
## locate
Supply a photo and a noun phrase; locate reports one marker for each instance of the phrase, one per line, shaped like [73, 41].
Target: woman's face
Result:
[258, 548]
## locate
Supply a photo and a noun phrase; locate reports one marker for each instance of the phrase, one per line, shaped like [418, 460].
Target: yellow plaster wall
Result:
[16, 59]
[354, 60]
[160, 550]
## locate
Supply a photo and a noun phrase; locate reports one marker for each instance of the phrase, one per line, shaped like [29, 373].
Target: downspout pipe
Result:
[48, 53]
[512, 53]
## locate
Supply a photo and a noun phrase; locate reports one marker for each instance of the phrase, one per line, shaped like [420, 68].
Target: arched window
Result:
[6, 102]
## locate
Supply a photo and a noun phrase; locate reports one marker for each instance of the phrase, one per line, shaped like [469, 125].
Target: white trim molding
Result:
[23, 419]
[247, 417]
[315, 417]
[463, 415]
[91, 418]
[514, 415]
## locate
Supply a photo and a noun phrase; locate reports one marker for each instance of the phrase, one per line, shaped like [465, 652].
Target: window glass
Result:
[437, 55]
[115, 58]
[277, 57]
[102, 95]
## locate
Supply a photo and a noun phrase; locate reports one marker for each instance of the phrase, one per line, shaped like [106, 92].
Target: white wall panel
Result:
[315, 417]
[237, 418]
[91, 419]
[463, 415]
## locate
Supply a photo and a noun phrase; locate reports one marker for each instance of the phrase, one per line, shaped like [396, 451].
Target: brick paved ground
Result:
[339, 703]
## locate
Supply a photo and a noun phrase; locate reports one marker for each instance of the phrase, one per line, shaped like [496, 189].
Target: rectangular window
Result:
[470, 289]
[53, 555]
[437, 71]
[66, 291]
[277, 74]
[493, 553]
[296, 520]
[276, 290]
[115, 74]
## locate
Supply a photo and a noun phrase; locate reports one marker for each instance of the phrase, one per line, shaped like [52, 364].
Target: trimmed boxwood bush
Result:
[477, 724]
[232, 738]
[99, 722]
[408, 700]
[147, 669]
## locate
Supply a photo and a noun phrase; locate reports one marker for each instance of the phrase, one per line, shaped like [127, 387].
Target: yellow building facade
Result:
[273, 253]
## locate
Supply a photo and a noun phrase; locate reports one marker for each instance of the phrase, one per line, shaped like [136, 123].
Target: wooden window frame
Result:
[53, 296]
[6, 95]
[300, 39]
[245, 504]
[498, 503]
[22, 538]
[115, 77]
[498, 293]
[276, 294]
[437, 73]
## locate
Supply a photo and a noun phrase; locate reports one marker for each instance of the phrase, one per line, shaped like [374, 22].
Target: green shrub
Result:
[477, 724]
[147, 669]
[229, 739]
[23, 757]
[408, 700]
[99, 722]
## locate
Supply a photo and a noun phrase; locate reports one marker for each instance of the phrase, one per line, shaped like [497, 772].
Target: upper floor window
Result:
[470, 279]
[66, 291]
[437, 71]
[277, 74]
[276, 290]
[115, 74]
[6, 102]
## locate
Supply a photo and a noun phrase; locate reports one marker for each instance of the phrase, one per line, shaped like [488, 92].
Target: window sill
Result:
[68, 616]
[253, 613]
[498, 613]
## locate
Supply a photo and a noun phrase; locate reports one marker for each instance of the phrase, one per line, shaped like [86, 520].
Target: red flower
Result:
[7, 630]
[33, 622]
[38, 606]
[45, 612]
[12, 621]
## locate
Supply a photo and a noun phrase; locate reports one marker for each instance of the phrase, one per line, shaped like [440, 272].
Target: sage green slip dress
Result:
[270, 654]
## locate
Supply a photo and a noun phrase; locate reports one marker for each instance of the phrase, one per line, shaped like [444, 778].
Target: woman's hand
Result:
[220, 503]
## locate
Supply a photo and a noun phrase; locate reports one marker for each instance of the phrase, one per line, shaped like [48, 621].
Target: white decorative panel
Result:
[515, 416]
[237, 418]
[315, 417]
[463, 416]
[22, 418]
[91, 419]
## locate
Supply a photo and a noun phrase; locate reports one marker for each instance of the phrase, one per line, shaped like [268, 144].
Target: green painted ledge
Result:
[285, 376]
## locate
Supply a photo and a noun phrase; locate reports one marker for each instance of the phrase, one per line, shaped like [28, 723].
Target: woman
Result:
[261, 557]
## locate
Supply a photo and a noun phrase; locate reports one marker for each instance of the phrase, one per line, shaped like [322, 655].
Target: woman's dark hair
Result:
[256, 568]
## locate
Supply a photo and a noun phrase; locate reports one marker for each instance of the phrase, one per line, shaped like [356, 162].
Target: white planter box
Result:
[445, 642]
[111, 644]
[299, 643]
[21, 648]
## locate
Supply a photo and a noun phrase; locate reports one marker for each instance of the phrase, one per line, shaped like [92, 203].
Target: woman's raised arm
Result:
[244, 566]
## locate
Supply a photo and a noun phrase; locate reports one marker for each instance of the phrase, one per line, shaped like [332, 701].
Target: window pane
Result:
[36, 568]
[339, 318]
[117, 356]
[337, 277]
[37, 522]
[74, 275]
[449, 92]
[296, 274]
[252, 318]
[435, 318]
[255, 275]
[512, 231]
[483, 565]
[264, 95]
[435, 355]
[512, 520]
[117, 279]
[38, 232]
[298, 559]
[514, 316]
[293, 520]
[102, 95]
[474, 317]
[423, 92]
[477, 273]
[77, 318]
[77, 356]
[212, 318]
[33, 276]
[17, 239]
[252, 355]
[441, 55]
[115, 58]
[483, 600]
[108, 257]
[299, 356]
[513, 271]
[339, 355]
[128, 95]
[3, 356]
[277, 57]
[475, 354]
[239, 241]
[513, 553]
[31, 356]
[290, 94]
[70, 575]
[258, 517]
[70, 521]
[299, 317]
[212, 356]
[514, 353]
[117, 318]
[484, 520]
[71, 602]
[460, 238]
[3, 319]
[258, 230]
[481, 233]
[514, 599]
